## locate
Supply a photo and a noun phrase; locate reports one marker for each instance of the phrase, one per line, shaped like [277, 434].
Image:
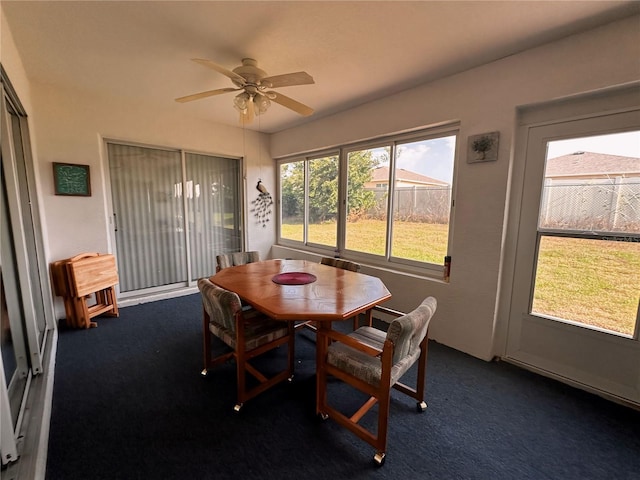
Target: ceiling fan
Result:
[255, 98]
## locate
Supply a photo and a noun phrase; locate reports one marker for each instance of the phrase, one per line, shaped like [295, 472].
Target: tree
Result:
[292, 186]
[323, 187]
[359, 199]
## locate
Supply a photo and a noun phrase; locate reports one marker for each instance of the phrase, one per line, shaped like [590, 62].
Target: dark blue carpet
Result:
[129, 403]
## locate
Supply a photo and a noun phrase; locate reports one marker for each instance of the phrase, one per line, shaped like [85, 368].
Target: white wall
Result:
[483, 99]
[12, 63]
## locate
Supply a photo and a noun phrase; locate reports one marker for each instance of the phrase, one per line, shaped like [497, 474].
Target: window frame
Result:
[387, 260]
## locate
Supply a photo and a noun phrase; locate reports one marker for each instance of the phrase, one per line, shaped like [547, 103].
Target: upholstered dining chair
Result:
[373, 361]
[248, 333]
[340, 263]
[226, 260]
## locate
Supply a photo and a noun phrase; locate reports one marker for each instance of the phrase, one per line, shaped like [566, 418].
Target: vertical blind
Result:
[213, 210]
[158, 213]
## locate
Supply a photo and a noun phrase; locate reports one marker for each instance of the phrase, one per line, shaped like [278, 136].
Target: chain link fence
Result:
[414, 204]
[599, 205]
[596, 205]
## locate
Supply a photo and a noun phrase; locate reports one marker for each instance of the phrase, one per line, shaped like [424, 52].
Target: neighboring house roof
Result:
[381, 175]
[592, 164]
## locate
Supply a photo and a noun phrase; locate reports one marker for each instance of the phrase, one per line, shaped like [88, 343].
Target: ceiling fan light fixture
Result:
[262, 104]
[240, 102]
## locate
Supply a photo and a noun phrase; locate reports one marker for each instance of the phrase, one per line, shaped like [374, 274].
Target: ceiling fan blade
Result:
[209, 93]
[220, 69]
[291, 104]
[288, 80]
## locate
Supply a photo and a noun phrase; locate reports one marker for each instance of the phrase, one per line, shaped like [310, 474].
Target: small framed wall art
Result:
[483, 147]
[71, 179]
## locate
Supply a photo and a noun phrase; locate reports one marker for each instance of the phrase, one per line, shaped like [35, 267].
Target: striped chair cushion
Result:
[256, 333]
[339, 263]
[363, 366]
[406, 333]
[237, 258]
[222, 305]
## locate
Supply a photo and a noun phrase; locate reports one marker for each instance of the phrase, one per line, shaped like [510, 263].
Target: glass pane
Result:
[13, 344]
[292, 201]
[422, 199]
[323, 201]
[592, 184]
[593, 282]
[28, 225]
[213, 210]
[6, 340]
[367, 182]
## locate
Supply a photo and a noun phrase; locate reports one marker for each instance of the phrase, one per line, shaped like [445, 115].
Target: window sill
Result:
[285, 251]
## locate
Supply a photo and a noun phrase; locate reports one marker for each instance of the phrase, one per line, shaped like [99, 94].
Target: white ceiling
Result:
[356, 51]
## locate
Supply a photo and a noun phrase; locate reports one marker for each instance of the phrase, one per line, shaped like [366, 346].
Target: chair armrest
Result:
[388, 311]
[351, 342]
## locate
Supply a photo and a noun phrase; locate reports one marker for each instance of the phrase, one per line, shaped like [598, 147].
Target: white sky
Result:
[433, 158]
[624, 144]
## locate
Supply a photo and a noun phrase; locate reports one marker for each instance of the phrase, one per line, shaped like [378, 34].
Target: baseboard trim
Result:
[581, 386]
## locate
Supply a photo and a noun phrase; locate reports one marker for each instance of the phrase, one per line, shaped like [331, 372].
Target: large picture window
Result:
[386, 201]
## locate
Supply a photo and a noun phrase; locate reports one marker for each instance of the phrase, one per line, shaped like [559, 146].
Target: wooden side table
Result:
[79, 278]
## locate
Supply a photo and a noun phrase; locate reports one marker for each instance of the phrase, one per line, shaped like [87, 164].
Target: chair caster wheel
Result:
[204, 372]
[237, 407]
[421, 407]
[379, 458]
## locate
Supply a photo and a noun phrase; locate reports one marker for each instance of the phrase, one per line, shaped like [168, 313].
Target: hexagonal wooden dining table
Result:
[332, 294]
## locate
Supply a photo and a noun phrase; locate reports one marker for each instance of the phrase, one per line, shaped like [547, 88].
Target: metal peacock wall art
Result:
[262, 205]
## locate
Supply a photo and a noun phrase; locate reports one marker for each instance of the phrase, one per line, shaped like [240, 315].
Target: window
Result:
[422, 199]
[309, 200]
[588, 267]
[386, 201]
[292, 204]
[366, 219]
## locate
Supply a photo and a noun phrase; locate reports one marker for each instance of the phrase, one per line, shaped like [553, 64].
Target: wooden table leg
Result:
[321, 353]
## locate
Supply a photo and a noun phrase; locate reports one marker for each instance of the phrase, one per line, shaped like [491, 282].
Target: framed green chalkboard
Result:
[71, 179]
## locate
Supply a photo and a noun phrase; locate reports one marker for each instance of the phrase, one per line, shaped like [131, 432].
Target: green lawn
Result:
[417, 241]
[590, 281]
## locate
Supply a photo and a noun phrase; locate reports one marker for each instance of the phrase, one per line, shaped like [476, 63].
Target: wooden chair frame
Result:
[243, 356]
[380, 395]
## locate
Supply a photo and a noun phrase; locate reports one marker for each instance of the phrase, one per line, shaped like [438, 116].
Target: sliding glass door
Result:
[173, 212]
[26, 306]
